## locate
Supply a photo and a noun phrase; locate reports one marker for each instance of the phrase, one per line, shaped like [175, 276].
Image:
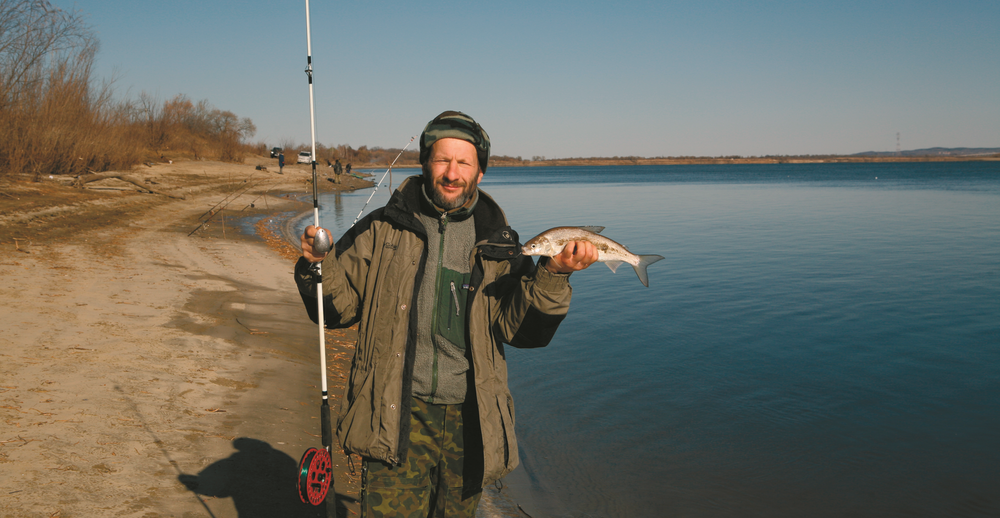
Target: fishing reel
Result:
[315, 475]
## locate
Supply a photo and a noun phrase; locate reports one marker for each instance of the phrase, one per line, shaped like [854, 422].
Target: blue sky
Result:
[577, 79]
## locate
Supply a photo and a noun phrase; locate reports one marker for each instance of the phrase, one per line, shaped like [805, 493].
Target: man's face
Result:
[453, 172]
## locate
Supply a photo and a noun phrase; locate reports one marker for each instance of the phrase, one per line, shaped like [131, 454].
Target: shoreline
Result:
[156, 360]
[723, 160]
[149, 372]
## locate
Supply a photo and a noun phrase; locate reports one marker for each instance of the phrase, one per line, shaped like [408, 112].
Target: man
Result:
[437, 284]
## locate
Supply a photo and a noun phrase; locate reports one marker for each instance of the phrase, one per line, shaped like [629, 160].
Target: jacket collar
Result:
[408, 201]
[457, 214]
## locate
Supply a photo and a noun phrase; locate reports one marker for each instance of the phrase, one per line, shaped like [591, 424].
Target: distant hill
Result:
[937, 151]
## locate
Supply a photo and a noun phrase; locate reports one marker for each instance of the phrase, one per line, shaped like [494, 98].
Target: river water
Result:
[821, 340]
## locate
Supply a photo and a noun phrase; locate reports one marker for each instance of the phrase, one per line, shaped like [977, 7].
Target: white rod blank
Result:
[319, 285]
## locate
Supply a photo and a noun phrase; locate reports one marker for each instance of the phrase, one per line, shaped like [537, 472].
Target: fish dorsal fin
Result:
[596, 230]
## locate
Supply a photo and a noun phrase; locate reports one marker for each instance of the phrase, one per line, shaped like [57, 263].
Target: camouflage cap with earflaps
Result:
[452, 124]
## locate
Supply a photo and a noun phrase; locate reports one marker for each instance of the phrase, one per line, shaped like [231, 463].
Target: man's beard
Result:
[438, 198]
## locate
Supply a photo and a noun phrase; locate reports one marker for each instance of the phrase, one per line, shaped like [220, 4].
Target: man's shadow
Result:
[262, 482]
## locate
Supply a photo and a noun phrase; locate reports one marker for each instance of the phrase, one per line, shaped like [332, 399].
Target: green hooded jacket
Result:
[372, 279]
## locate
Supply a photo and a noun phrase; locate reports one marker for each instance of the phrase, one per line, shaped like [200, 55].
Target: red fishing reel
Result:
[315, 475]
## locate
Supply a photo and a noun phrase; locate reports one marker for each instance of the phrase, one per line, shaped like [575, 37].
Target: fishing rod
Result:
[372, 195]
[316, 466]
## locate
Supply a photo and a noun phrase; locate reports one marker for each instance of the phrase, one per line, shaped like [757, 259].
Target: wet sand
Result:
[150, 369]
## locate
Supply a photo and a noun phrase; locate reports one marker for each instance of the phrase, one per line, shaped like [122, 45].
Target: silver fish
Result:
[552, 241]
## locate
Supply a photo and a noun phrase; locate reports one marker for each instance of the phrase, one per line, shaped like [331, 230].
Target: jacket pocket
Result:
[452, 296]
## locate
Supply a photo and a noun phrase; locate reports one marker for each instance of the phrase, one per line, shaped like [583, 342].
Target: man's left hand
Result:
[575, 257]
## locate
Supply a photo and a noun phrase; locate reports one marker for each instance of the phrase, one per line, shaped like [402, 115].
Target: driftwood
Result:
[17, 245]
[93, 177]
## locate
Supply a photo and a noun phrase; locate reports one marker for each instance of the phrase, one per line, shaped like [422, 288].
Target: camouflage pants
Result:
[429, 483]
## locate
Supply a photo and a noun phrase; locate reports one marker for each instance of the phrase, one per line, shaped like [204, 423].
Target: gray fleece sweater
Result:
[440, 364]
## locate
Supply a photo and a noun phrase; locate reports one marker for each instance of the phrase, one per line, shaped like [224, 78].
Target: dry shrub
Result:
[198, 130]
[55, 120]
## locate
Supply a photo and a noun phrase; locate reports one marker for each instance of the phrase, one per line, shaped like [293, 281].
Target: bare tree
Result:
[35, 36]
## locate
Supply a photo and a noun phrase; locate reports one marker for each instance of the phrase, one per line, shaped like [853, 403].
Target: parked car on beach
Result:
[275, 151]
[305, 157]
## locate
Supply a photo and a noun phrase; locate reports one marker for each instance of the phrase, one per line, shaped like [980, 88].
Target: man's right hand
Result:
[307, 245]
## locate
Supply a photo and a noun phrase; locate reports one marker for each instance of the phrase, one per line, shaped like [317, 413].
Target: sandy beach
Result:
[155, 360]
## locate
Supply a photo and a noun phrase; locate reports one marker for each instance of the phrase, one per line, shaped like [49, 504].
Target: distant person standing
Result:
[338, 169]
[281, 163]
[348, 168]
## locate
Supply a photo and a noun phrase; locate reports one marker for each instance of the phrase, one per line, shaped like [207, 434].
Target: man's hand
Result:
[307, 245]
[576, 256]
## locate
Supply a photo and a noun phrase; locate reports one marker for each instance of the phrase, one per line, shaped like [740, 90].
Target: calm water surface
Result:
[821, 340]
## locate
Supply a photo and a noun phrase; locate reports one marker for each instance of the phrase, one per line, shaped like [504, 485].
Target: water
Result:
[821, 340]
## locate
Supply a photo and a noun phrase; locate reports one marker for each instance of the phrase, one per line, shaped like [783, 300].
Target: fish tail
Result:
[640, 268]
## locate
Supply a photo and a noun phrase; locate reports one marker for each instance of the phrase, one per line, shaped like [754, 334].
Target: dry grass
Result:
[55, 119]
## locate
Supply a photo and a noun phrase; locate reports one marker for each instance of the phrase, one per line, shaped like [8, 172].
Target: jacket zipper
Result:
[454, 296]
[442, 224]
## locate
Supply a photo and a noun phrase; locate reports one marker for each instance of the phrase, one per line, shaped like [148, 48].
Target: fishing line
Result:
[372, 195]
